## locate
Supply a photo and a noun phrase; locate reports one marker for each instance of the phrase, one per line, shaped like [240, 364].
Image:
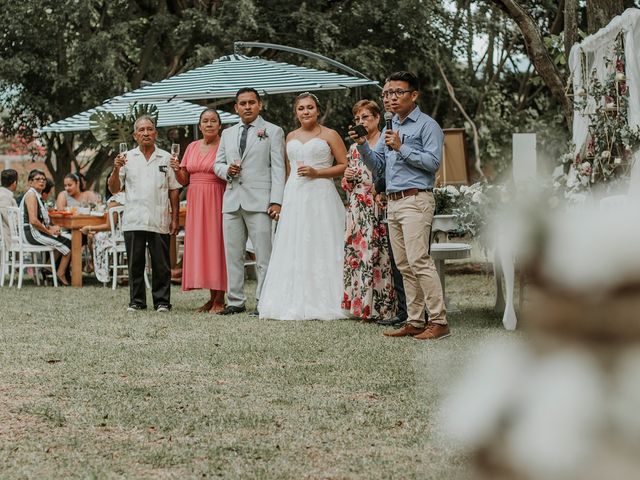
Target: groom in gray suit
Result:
[251, 159]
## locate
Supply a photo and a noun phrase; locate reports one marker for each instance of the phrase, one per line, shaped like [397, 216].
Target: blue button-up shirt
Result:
[416, 163]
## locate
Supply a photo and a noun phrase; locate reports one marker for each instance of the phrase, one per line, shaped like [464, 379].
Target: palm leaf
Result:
[110, 129]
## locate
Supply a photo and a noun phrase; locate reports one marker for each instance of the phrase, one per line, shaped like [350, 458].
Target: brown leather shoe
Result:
[434, 331]
[406, 331]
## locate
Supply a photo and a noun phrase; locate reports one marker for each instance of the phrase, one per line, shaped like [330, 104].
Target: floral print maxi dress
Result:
[368, 281]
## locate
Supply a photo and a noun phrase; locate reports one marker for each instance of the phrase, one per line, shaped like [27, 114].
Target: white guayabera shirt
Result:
[146, 185]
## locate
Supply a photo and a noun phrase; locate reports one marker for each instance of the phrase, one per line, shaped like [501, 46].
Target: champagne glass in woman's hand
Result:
[175, 149]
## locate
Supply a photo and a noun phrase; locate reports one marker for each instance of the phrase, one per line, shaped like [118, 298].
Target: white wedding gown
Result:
[304, 278]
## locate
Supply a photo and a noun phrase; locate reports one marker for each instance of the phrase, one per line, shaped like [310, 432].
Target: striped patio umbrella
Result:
[170, 114]
[223, 77]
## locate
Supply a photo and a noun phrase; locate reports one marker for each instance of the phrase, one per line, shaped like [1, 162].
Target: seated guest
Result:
[47, 190]
[74, 194]
[37, 227]
[9, 182]
[100, 241]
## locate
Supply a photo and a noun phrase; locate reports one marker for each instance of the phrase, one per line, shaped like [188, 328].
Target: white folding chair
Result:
[118, 250]
[20, 250]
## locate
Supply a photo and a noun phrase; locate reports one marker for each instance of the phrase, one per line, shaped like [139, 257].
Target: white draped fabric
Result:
[589, 55]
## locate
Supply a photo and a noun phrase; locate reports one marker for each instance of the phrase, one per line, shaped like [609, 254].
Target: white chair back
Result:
[115, 221]
[524, 158]
[16, 228]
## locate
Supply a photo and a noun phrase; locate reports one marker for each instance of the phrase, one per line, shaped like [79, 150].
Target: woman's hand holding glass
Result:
[350, 173]
[307, 171]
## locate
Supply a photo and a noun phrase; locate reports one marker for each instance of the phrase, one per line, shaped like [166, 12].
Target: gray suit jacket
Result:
[261, 181]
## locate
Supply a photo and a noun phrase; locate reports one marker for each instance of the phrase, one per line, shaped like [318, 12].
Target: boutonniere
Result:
[262, 133]
[163, 169]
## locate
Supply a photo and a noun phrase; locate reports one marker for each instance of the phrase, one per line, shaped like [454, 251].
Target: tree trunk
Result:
[488, 72]
[570, 25]
[538, 54]
[60, 146]
[469, 40]
[600, 13]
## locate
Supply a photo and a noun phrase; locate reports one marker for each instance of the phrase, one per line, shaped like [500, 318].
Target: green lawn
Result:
[89, 390]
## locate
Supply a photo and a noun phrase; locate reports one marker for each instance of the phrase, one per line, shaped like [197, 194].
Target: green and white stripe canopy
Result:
[170, 114]
[223, 77]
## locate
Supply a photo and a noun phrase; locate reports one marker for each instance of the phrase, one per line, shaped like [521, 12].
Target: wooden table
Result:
[75, 223]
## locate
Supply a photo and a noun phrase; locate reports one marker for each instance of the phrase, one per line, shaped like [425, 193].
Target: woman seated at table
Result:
[100, 241]
[37, 226]
[74, 194]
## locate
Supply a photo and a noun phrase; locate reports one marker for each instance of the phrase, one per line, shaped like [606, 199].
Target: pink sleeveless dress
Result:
[203, 263]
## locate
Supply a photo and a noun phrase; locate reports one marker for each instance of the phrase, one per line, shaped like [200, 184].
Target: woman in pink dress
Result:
[203, 262]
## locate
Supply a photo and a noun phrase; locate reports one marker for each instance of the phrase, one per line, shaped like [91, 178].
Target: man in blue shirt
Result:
[409, 158]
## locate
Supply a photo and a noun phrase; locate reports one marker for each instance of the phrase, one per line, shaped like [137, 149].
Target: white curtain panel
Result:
[596, 48]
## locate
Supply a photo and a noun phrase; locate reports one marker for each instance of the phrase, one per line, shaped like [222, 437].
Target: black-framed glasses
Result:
[363, 118]
[39, 179]
[395, 93]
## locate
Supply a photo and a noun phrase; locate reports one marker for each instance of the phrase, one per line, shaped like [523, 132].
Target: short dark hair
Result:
[248, 90]
[8, 177]
[34, 172]
[404, 76]
[48, 186]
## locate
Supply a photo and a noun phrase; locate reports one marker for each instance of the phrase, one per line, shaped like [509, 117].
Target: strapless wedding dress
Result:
[304, 278]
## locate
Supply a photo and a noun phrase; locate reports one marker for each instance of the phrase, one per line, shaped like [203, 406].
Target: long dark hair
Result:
[79, 179]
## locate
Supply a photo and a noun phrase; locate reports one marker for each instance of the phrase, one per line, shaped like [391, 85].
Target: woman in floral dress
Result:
[368, 281]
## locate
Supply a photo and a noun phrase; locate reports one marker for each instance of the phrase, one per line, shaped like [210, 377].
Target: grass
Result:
[90, 391]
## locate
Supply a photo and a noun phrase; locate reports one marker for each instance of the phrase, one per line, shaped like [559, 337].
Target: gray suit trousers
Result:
[236, 226]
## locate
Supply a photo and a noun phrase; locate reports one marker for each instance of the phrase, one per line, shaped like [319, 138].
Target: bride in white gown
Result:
[304, 278]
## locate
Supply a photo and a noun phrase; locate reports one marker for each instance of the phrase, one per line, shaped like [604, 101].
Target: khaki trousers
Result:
[410, 230]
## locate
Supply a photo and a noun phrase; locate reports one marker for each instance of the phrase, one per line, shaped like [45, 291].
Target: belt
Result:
[407, 193]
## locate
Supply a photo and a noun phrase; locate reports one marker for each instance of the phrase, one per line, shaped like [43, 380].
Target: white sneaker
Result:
[134, 308]
[163, 309]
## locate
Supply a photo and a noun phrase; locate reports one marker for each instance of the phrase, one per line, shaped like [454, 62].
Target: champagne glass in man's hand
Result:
[235, 168]
[121, 159]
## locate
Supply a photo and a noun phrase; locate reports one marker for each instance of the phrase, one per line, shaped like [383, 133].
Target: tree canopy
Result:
[478, 70]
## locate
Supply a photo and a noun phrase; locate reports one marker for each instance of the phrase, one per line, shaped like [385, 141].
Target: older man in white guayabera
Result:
[150, 188]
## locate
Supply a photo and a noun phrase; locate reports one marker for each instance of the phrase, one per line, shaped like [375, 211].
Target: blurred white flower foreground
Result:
[564, 402]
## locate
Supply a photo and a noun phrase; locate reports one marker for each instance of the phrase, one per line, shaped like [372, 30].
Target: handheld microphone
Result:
[388, 116]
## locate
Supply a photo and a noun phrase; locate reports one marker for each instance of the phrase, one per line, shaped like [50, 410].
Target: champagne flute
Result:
[237, 162]
[123, 149]
[175, 149]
